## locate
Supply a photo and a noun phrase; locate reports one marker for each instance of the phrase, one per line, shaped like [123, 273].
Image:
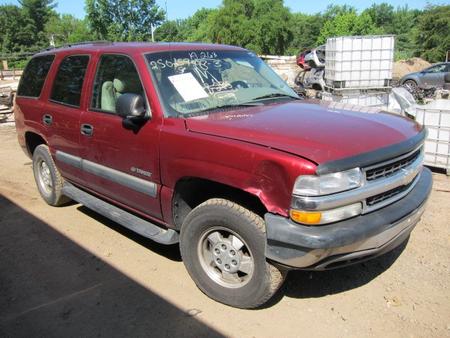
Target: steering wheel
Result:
[239, 84]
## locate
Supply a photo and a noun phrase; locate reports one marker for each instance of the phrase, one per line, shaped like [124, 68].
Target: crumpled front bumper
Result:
[360, 238]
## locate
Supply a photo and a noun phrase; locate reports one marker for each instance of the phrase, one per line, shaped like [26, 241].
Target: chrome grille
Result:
[386, 195]
[389, 169]
[374, 194]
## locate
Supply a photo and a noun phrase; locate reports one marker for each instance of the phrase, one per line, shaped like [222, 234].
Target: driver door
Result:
[121, 164]
[434, 76]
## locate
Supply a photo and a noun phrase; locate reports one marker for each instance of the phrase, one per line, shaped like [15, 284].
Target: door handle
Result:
[47, 119]
[87, 130]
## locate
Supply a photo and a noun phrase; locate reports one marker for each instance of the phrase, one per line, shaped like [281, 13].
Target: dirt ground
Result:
[70, 272]
[403, 67]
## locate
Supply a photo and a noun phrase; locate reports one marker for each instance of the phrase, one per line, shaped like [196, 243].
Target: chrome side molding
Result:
[138, 184]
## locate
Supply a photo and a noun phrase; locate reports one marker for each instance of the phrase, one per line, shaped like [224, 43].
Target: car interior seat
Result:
[121, 84]
[108, 100]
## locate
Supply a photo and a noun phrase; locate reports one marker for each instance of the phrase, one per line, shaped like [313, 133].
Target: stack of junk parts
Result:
[312, 62]
[358, 70]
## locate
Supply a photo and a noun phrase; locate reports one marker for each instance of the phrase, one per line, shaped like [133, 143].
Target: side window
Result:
[437, 69]
[34, 76]
[69, 80]
[116, 75]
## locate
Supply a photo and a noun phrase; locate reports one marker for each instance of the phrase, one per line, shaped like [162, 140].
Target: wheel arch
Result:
[32, 140]
[411, 78]
[191, 191]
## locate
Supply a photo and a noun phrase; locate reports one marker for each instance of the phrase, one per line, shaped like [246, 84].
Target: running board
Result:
[124, 218]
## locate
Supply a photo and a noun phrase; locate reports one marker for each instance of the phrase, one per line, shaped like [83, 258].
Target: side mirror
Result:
[130, 106]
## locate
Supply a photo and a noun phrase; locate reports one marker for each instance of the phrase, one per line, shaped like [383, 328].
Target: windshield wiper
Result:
[225, 106]
[273, 95]
[243, 104]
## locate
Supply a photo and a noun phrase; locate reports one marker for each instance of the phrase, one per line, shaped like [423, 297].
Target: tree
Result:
[66, 28]
[305, 31]
[433, 33]
[17, 30]
[260, 25]
[382, 15]
[349, 23]
[193, 29]
[232, 24]
[333, 11]
[22, 27]
[265, 26]
[122, 20]
[404, 27]
[39, 11]
[171, 31]
[271, 23]
[198, 25]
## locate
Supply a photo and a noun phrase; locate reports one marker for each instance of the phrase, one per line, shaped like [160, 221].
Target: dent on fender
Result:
[269, 183]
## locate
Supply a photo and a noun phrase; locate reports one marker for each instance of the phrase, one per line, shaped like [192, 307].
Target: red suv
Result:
[205, 146]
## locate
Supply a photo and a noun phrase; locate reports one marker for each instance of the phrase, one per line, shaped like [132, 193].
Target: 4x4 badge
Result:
[141, 171]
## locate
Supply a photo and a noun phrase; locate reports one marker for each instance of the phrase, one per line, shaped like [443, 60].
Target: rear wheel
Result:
[48, 179]
[223, 249]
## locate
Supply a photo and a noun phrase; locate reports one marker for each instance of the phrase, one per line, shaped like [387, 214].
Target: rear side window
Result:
[34, 76]
[69, 80]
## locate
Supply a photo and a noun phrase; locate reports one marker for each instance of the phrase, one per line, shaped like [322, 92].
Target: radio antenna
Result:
[167, 13]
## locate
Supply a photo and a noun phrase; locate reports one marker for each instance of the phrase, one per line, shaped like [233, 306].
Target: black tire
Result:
[51, 192]
[411, 84]
[264, 280]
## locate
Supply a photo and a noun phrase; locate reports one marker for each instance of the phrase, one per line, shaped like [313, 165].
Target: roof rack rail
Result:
[86, 43]
[77, 44]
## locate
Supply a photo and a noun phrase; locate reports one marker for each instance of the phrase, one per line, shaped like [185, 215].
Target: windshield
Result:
[199, 82]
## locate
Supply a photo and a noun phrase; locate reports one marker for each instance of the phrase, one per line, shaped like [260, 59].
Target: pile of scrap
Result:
[312, 63]
[286, 67]
[7, 92]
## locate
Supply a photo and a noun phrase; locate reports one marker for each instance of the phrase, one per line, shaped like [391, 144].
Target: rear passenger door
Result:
[62, 113]
[119, 163]
[28, 106]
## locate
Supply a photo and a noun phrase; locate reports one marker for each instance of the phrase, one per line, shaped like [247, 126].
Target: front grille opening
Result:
[391, 168]
[387, 194]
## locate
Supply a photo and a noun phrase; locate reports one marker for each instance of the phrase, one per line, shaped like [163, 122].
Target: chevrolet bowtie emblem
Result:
[408, 175]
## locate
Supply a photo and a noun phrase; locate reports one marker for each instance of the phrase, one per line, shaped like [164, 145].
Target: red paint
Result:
[261, 150]
[308, 130]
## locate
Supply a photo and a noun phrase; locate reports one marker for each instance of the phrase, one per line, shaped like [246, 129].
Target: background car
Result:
[429, 77]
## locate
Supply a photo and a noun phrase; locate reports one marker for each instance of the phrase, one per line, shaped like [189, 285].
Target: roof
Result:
[138, 47]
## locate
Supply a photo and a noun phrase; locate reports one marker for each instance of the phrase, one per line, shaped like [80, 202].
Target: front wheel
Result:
[411, 85]
[223, 249]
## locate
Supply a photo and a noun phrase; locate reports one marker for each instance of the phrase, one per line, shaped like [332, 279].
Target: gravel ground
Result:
[70, 272]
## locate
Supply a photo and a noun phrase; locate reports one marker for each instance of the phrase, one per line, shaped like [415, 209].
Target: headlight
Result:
[312, 185]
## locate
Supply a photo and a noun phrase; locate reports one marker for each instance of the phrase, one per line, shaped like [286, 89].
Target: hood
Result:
[410, 75]
[310, 130]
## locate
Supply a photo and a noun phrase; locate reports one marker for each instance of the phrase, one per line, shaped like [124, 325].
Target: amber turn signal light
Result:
[306, 217]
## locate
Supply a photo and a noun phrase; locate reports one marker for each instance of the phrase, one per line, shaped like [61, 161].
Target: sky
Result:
[180, 9]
